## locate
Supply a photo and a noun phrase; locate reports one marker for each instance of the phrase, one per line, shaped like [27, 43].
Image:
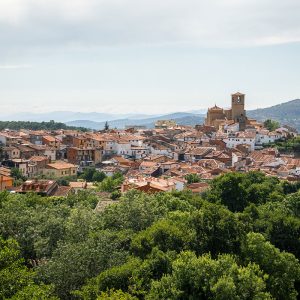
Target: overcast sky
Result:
[148, 56]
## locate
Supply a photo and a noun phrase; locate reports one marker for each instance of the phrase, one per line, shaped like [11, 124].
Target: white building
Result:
[240, 138]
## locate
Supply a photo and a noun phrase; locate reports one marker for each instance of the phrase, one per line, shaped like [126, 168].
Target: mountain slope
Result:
[180, 118]
[287, 113]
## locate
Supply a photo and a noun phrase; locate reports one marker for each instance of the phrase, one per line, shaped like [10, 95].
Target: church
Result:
[217, 116]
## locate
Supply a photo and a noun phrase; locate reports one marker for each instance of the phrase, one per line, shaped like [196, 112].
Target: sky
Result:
[147, 56]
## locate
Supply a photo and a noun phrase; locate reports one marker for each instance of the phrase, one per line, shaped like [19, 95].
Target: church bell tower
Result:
[238, 106]
[238, 109]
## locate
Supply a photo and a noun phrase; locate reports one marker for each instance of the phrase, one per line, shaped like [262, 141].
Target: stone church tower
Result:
[216, 116]
[237, 106]
[238, 113]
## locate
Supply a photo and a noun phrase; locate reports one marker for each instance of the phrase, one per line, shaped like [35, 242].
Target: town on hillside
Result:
[167, 157]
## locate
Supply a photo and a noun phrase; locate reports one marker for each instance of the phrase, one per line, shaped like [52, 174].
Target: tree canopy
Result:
[240, 240]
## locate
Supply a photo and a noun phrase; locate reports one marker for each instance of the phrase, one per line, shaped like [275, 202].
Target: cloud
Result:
[86, 23]
[15, 66]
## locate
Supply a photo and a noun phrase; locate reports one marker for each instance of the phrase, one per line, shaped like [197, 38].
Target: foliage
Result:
[240, 242]
[115, 195]
[202, 277]
[51, 125]
[65, 181]
[92, 175]
[290, 145]
[13, 274]
[283, 268]
[271, 124]
[16, 280]
[238, 190]
[111, 184]
[17, 174]
[106, 126]
[74, 262]
[115, 295]
[192, 178]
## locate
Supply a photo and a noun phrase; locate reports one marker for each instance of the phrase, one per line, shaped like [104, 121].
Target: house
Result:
[36, 137]
[21, 164]
[43, 188]
[197, 153]
[9, 138]
[25, 151]
[37, 164]
[86, 156]
[78, 185]
[148, 185]
[238, 138]
[11, 152]
[6, 182]
[51, 141]
[119, 160]
[60, 169]
[165, 166]
[50, 153]
[198, 187]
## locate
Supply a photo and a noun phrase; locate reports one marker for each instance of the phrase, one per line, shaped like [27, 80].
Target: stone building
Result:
[217, 116]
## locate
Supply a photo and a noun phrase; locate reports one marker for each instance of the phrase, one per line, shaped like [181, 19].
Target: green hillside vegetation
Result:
[288, 146]
[239, 240]
[17, 125]
[287, 113]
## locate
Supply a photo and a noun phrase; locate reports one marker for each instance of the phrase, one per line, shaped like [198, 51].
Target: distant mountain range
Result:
[180, 118]
[67, 116]
[287, 113]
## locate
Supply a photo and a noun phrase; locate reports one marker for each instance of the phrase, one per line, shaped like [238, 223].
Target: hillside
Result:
[287, 113]
[180, 118]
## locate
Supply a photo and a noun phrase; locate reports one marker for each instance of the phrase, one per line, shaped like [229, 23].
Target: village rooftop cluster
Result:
[152, 160]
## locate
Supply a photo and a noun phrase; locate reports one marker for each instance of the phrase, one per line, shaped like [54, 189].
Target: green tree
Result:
[237, 190]
[14, 276]
[282, 267]
[205, 278]
[229, 190]
[192, 178]
[271, 124]
[166, 234]
[98, 176]
[73, 263]
[17, 174]
[110, 184]
[116, 295]
[218, 230]
[36, 292]
[106, 126]
[88, 174]
[92, 175]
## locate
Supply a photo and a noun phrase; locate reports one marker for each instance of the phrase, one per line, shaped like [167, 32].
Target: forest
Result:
[51, 125]
[239, 240]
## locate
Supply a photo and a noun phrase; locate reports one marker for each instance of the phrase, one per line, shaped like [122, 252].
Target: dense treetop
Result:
[240, 240]
[51, 125]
